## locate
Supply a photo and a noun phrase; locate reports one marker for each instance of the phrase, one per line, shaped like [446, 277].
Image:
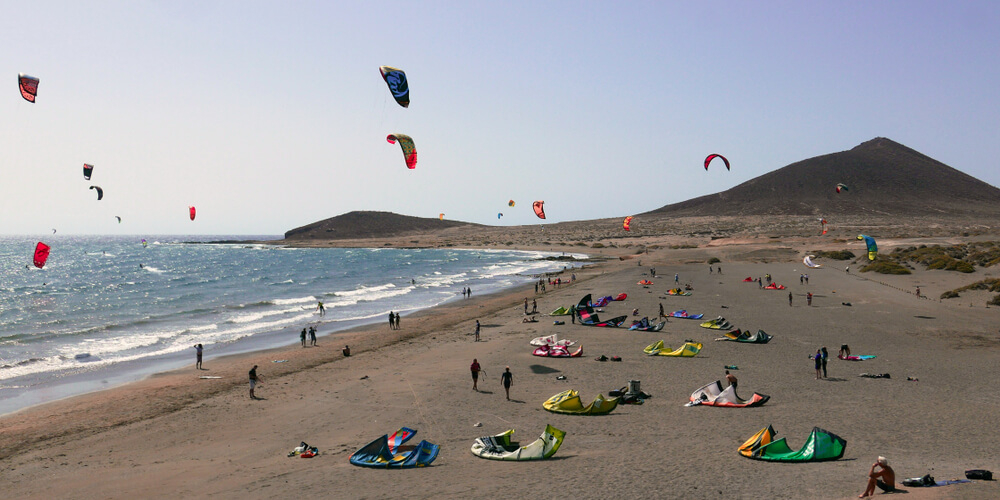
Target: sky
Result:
[271, 115]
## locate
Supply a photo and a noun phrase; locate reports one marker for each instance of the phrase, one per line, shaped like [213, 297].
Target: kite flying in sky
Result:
[87, 171]
[28, 86]
[409, 150]
[100, 192]
[191, 212]
[395, 78]
[41, 254]
[842, 187]
[714, 156]
[539, 209]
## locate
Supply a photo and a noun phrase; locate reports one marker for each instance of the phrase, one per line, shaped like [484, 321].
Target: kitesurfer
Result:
[320, 308]
[198, 350]
[885, 478]
[507, 379]
[475, 374]
[253, 381]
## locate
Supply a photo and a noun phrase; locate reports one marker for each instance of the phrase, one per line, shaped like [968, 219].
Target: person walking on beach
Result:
[312, 336]
[253, 381]
[302, 337]
[572, 314]
[732, 379]
[677, 278]
[534, 306]
[525, 306]
[198, 349]
[507, 379]
[477, 330]
[818, 362]
[802, 278]
[710, 269]
[463, 292]
[397, 321]
[392, 318]
[475, 374]
[720, 269]
[807, 279]
[789, 299]
[918, 291]
[826, 355]
[536, 288]
[470, 292]
[885, 478]
[320, 308]
[662, 315]
[809, 298]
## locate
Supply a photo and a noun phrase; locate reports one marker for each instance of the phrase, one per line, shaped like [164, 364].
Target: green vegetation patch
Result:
[834, 254]
[988, 284]
[885, 266]
[962, 258]
[713, 260]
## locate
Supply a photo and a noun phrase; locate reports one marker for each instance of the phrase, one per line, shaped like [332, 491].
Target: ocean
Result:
[108, 310]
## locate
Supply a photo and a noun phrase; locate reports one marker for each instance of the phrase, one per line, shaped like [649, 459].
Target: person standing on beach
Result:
[477, 330]
[710, 269]
[507, 379]
[802, 278]
[302, 337]
[732, 379]
[536, 287]
[818, 362]
[534, 306]
[807, 279]
[320, 308]
[720, 269]
[198, 349]
[397, 321]
[662, 315]
[809, 298]
[918, 291]
[475, 374]
[470, 292]
[312, 336]
[253, 381]
[789, 299]
[677, 278]
[525, 306]
[572, 314]
[392, 318]
[826, 355]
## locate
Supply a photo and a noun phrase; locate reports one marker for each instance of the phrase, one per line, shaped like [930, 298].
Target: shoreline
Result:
[362, 338]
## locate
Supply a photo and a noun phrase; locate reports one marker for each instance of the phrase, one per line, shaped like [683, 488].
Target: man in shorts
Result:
[198, 350]
[507, 379]
[253, 381]
[885, 478]
[475, 374]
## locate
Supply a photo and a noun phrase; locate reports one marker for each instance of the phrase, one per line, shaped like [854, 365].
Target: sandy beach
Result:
[175, 435]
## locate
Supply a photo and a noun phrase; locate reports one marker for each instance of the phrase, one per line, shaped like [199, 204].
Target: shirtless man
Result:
[732, 379]
[885, 478]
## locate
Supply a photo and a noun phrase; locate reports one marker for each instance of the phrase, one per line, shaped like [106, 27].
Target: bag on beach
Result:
[927, 480]
[981, 474]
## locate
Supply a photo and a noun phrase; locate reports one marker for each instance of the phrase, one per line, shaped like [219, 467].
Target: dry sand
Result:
[175, 435]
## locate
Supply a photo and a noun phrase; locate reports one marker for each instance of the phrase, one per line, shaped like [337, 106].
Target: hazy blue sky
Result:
[271, 115]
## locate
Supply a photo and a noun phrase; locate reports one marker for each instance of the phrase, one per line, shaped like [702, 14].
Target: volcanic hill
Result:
[369, 224]
[884, 178]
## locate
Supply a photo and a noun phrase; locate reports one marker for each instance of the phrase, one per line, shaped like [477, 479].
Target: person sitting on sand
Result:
[884, 478]
[531, 319]
[635, 312]
[347, 351]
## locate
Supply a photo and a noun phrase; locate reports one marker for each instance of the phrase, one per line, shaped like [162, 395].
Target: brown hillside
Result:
[884, 178]
[365, 224]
